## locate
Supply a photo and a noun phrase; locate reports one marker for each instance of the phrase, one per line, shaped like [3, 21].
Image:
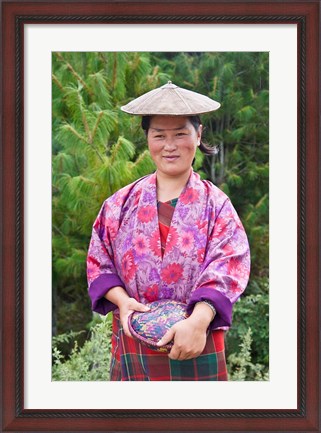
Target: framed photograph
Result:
[32, 31]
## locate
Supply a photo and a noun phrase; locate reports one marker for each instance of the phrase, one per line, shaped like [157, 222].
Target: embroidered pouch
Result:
[151, 326]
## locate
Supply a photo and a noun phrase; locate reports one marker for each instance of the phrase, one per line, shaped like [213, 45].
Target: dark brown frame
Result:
[306, 14]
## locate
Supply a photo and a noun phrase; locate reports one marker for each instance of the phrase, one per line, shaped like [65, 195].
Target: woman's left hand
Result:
[189, 335]
[189, 340]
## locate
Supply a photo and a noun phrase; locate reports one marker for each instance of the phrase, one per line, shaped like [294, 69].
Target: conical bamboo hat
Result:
[171, 100]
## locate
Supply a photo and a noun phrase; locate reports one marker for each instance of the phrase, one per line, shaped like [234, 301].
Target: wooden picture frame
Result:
[304, 14]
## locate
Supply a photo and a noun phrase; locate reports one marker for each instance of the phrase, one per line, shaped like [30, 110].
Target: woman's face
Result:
[172, 142]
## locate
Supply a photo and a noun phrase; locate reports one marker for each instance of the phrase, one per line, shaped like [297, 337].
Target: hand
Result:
[126, 308]
[118, 296]
[189, 337]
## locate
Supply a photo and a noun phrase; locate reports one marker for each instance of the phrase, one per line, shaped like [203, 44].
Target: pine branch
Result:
[114, 152]
[76, 133]
[84, 120]
[100, 115]
[97, 151]
[102, 57]
[114, 72]
[215, 81]
[74, 73]
[60, 232]
[140, 158]
[55, 79]
[85, 141]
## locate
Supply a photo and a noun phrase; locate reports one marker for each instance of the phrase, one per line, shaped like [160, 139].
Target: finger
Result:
[124, 322]
[185, 357]
[126, 330]
[174, 354]
[188, 355]
[166, 338]
[180, 354]
[141, 307]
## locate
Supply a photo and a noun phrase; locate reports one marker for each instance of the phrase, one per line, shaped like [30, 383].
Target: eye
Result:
[180, 134]
[159, 136]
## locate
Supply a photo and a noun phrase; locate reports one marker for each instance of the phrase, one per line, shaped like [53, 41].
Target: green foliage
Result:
[252, 312]
[93, 156]
[87, 363]
[240, 365]
[97, 149]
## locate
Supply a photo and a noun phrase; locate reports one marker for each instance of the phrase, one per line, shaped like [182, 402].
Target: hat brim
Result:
[171, 100]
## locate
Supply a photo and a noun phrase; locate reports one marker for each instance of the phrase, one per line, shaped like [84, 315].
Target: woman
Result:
[169, 235]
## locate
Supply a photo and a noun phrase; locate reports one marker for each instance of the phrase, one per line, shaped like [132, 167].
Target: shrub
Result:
[87, 363]
[240, 365]
[251, 312]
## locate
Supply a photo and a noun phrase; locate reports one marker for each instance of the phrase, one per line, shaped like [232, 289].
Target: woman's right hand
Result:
[126, 308]
[126, 305]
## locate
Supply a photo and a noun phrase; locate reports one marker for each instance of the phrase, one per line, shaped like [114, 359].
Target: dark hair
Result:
[195, 121]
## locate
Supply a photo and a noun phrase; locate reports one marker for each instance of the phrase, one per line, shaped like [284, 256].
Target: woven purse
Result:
[149, 327]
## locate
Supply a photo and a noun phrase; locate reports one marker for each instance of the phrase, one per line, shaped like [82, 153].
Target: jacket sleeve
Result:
[226, 267]
[101, 272]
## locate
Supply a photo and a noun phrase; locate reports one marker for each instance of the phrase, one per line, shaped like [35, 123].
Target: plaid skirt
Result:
[132, 361]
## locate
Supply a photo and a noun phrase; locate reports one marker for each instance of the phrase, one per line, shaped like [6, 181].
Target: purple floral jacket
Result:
[206, 256]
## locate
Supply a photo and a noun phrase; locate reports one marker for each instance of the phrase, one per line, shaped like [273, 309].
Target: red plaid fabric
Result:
[133, 361]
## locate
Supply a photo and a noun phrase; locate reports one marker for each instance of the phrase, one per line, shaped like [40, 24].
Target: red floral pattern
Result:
[141, 245]
[206, 236]
[200, 255]
[189, 196]
[146, 213]
[171, 240]
[186, 241]
[151, 293]
[128, 266]
[155, 243]
[172, 273]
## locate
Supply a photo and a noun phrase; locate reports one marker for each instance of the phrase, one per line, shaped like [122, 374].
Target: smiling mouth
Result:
[171, 157]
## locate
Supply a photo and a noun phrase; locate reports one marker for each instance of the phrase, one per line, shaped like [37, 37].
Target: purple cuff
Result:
[98, 289]
[222, 304]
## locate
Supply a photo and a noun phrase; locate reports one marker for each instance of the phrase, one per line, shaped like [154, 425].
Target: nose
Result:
[169, 145]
